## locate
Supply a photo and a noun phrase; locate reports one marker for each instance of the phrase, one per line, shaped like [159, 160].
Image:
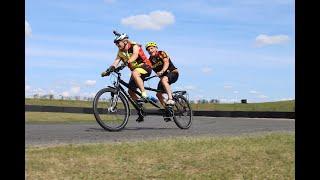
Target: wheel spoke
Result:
[110, 114]
[182, 112]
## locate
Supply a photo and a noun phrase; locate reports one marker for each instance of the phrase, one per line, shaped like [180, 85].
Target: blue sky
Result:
[227, 50]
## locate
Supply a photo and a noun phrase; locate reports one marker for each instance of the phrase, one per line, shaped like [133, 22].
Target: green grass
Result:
[52, 117]
[55, 102]
[285, 106]
[264, 156]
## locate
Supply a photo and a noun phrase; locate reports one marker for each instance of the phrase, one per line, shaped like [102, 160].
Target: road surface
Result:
[153, 127]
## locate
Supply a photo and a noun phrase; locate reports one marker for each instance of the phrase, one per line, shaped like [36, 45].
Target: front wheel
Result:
[111, 109]
[182, 112]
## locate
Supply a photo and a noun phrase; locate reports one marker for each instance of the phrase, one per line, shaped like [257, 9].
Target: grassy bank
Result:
[52, 117]
[286, 106]
[266, 156]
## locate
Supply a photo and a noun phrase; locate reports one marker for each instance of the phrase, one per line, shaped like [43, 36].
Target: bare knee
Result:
[164, 79]
[135, 73]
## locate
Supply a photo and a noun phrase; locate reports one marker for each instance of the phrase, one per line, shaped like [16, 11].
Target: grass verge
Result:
[264, 156]
[285, 106]
[52, 117]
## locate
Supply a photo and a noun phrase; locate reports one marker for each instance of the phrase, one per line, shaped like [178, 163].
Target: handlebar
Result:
[120, 68]
[116, 70]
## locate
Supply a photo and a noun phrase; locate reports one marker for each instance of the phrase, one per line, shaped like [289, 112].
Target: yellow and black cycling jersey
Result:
[157, 61]
[141, 61]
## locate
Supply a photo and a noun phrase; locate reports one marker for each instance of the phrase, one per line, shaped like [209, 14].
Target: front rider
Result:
[132, 54]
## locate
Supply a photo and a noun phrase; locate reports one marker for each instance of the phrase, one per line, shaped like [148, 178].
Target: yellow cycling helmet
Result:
[151, 44]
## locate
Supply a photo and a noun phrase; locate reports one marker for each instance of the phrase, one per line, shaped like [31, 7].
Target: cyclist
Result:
[131, 54]
[163, 66]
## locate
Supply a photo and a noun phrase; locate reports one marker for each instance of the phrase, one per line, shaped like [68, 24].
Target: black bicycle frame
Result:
[118, 85]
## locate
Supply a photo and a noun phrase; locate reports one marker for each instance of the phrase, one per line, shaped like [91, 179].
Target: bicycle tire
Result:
[182, 109]
[98, 111]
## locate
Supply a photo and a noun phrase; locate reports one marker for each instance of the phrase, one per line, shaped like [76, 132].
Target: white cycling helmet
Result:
[119, 36]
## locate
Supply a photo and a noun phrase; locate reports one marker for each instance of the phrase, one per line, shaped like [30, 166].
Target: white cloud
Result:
[253, 92]
[206, 70]
[52, 91]
[190, 88]
[65, 94]
[92, 94]
[262, 96]
[286, 99]
[27, 29]
[155, 20]
[38, 91]
[236, 92]
[227, 87]
[263, 40]
[75, 89]
[86, 94]
[224, 100]
[109, 1]
[90, 82]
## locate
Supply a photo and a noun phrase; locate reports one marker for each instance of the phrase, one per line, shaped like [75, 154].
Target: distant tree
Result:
[43, 96]
[51, 96]
[36, 96]
[214, 101]
[203, 101]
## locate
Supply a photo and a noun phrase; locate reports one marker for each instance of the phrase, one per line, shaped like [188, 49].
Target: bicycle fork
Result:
[113, 102]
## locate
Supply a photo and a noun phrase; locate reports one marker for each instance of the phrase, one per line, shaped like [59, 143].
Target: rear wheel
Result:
[182, 112]
[111, 110]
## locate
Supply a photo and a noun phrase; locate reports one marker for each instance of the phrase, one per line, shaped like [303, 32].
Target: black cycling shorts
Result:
[172, 78]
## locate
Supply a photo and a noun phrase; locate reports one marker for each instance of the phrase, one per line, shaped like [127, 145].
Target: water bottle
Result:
[155, 100]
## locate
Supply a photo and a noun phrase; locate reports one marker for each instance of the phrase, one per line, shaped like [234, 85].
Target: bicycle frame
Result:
[177, 113]
[117, 85]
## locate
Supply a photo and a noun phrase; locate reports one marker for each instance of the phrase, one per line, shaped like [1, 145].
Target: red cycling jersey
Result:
[142, 59]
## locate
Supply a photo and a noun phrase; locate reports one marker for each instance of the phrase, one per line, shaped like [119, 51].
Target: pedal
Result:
[167, 119]
[169, 105]
[169, 112]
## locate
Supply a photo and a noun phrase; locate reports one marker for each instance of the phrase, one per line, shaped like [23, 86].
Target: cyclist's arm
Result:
[116, 61]
[135, 54]
[165, 65]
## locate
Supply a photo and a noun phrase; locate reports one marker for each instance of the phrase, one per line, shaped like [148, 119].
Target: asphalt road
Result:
[152, 127]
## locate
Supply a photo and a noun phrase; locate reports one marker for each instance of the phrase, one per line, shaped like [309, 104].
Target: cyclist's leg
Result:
[138, 75]
[165, 83]
[160, 95]
[167, 80]
[133, 95]
[132, 85]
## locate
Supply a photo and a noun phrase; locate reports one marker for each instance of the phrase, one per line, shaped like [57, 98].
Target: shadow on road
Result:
[132, 128]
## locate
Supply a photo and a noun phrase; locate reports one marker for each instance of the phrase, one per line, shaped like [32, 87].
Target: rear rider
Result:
[164, 68]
